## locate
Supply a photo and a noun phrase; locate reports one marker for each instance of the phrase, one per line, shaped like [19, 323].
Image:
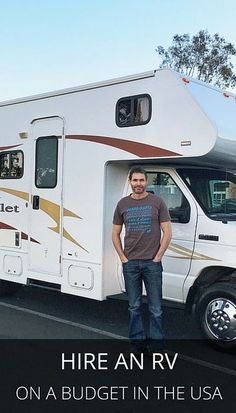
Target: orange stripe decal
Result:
[51, 209]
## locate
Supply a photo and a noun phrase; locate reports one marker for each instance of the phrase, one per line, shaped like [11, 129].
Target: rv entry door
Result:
[45, 205]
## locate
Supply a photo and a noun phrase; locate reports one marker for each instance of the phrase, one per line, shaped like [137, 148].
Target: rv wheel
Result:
[8, 288]
[216, 311]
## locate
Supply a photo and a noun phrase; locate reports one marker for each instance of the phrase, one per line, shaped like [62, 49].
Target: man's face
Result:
[138, 183]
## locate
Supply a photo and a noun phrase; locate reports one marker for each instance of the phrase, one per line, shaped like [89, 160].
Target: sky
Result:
[50, 45]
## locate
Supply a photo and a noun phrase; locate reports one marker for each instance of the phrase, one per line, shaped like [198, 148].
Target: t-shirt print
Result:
[139, 219]
[142, 219]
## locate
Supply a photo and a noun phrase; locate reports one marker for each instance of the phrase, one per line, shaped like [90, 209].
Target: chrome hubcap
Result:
[221, 319]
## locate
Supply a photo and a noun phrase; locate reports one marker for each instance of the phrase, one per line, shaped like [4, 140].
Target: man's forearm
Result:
[163, 247]
[118, 246]
[165, 241]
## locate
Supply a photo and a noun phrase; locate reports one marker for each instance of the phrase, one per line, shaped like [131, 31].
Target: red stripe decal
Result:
[3, 148]
[139, 149]
[23, 235]
[5, 226]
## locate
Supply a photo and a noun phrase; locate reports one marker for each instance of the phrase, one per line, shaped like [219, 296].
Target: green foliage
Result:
[203, 56]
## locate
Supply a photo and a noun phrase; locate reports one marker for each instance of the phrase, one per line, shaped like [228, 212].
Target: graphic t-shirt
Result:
[142, 218]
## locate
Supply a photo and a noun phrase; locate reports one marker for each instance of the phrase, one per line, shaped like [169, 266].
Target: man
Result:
[146, 218]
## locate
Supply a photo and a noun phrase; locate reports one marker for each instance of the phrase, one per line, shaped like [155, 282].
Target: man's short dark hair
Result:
[137, 170]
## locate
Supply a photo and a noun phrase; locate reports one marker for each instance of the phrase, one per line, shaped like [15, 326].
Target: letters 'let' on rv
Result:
[64, 163]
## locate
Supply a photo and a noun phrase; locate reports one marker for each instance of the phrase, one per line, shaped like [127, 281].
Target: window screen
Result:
[11, 165]
[46, 162]
[133, 111]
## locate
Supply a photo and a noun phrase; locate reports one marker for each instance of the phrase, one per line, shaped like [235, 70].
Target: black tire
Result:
[8, 287]
[216, 312]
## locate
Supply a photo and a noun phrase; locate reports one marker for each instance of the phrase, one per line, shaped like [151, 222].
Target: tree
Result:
[203, 56]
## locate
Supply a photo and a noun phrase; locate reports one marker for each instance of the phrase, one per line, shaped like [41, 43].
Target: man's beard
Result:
[138, 189]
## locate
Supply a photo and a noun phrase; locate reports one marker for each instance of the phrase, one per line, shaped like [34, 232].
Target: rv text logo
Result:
[9, 208]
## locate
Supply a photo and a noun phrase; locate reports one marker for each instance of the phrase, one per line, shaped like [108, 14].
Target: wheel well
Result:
[207, 277]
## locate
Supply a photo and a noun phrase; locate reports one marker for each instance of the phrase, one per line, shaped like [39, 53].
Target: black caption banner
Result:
[105, 376]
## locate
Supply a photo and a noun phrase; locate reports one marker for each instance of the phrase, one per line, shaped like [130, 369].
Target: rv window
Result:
[46, 162]
[133, 111]
[215, 191]
[11, 165]
[161, 184]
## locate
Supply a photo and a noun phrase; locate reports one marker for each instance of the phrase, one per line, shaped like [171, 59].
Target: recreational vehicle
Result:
[64, 163]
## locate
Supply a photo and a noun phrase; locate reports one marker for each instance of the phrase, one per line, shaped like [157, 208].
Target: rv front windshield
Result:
[215, 190]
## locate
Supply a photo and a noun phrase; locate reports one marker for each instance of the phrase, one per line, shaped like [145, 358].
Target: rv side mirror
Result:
[180, 214]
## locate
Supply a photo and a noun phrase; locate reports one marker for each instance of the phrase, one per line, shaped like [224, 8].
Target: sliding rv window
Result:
[133, 110]
[46, 162]
[11, 165]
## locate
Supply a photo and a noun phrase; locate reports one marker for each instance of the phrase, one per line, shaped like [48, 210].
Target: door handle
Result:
[35, 202]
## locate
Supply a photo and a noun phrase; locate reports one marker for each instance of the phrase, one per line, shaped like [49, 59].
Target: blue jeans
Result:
[150, 272]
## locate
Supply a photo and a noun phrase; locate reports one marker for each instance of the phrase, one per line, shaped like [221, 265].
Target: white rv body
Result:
[62, 234]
